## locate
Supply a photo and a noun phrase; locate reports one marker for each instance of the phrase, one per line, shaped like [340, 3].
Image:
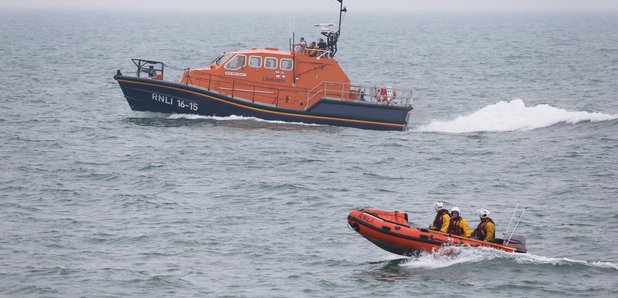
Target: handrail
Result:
[153, 73]
[305, 97]
[324, 53]
[249, 90]
[216, 78]
[325, 89]
[316, 86]
[363, 93]
[311, 52]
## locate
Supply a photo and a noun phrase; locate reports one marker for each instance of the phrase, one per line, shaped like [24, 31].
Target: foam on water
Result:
[234, 118]
[195, 116]
[511, 116]
[446, 258]
[465, 255]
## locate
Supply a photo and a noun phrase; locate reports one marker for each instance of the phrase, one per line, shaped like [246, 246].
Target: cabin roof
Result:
[267, 51]
[271, 51]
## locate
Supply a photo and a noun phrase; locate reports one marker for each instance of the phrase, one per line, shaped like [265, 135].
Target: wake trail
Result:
[468, 255]
[513, 115]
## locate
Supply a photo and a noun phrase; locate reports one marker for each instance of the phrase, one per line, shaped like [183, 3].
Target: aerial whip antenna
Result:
[510, 221]
[333, 37]
[515, 228]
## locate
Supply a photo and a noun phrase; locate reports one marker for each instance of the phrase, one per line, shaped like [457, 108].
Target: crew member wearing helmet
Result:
[440, 223]
[458, 225]
[486, 230]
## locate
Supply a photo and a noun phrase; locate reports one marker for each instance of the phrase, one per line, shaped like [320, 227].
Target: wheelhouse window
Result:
[270, 63]
[237, 62]
[255, 61]
[286, 64]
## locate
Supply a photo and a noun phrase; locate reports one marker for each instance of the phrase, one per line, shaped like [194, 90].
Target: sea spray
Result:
[467, 255]
[234, 118]
[511, 116]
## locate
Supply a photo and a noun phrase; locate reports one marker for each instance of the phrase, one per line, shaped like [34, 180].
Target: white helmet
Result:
[438, 205]
[455, 209]
[484, 213]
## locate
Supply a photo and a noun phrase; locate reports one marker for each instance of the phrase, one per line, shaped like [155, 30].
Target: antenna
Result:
[510, 221]
[515, 228]
[333, 37]
[341, 11]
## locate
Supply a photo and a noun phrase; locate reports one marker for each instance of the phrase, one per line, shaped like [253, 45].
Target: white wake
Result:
[235, 118]
[511, 116]
[461, 255]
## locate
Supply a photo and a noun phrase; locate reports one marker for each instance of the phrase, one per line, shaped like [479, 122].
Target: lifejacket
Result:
[437, 222]
[393, 96]
[480, 233]
[454, 228]
[381, 94]
[312, 51]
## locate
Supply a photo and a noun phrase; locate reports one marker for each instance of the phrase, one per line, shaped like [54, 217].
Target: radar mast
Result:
[333, 37]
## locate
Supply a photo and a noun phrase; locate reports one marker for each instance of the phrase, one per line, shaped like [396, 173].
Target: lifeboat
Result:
[391, 231]
[301, 84]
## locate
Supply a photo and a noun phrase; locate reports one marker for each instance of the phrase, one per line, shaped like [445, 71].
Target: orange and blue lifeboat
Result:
[300, 84]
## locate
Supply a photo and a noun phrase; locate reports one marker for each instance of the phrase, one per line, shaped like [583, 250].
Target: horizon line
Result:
[132, 9]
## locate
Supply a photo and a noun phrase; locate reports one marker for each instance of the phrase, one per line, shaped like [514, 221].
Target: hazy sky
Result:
[322, 5]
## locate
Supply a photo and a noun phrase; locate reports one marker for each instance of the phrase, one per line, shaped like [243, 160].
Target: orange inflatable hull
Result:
[390, 231]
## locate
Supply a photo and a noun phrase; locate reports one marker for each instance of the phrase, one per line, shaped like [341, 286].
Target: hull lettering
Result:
[163, 99]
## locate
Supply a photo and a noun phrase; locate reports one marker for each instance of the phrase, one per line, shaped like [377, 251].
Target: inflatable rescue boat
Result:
[301, 84]
[391, 231]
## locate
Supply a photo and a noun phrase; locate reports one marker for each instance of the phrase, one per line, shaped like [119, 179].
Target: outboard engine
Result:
[518, 242]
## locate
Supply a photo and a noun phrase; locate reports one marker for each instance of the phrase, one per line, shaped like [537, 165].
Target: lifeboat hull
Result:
[168, 97]
[395, 236]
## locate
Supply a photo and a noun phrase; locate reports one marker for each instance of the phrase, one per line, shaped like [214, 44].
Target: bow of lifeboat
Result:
[391, 231]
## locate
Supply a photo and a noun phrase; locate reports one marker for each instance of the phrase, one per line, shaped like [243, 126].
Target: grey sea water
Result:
[99, 201]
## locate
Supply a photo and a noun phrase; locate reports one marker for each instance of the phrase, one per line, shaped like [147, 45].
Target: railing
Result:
[249, 90]
[382, 95]
[154, 69]
[317, 53]
[311, 52]
[299, 98]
